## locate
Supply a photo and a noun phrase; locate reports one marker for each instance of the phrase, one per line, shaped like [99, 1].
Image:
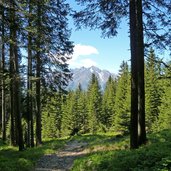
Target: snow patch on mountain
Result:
[83, 76]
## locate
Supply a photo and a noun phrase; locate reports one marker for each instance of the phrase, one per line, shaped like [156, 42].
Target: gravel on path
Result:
[63, 159]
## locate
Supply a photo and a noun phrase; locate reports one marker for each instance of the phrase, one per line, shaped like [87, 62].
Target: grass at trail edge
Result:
[107, 152]
[13, 160]
[155, 156]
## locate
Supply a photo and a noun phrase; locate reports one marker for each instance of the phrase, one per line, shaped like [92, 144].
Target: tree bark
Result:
[12, 126]
[138, 133]
[30, 130]
[3, 77]
[38, 68]
[15, 81]
[134, 77]
[141, 91]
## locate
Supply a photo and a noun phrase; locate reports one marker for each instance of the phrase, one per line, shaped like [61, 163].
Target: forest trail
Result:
[63, 159]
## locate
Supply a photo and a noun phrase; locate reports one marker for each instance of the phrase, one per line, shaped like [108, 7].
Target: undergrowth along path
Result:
[63, 159]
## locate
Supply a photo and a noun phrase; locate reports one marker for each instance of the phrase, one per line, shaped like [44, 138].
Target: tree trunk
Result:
[12, 126]
[134, 78]
[141, 91]
[138, 133]
[30, 130]
[38, 68]
[3, 78]
[38, 113]
[16, 81]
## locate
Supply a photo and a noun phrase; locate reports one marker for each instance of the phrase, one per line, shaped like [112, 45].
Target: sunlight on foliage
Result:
[155, 156]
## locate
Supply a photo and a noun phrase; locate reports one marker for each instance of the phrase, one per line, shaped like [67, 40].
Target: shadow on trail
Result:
[63, 160]
[76, 147]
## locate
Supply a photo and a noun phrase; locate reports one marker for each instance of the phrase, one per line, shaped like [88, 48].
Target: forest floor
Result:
[77, 148]
[100, 152]
[63, 159]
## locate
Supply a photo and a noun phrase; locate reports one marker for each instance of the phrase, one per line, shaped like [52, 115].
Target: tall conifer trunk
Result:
[38, 68]
[30, 130]
[15, 81]
[12, 122]
[138, 133]
[134, 77]
[141, 91]
[3, 77]
[16, 91]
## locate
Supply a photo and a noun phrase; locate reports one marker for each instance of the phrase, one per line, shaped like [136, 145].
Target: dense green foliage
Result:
[108, 102]
[94, 105]
[153, 91]
[121, 118]
[51, 116]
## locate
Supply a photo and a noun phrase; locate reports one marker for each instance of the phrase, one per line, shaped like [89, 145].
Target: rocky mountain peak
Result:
[83, 75]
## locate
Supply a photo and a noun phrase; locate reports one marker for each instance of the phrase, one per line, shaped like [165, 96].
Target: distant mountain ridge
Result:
[83, 75]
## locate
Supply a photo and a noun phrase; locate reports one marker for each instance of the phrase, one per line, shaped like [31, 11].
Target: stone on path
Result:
[62, 160]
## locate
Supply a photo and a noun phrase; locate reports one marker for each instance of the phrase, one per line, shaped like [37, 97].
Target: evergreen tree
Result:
[83, 112]
[153, 91]
[94, 105]
[77, 112]
[164, 118]
[74, 118]
[121, 118]
[80, 117]
[69, 109]
[109, 102]
[51, 116]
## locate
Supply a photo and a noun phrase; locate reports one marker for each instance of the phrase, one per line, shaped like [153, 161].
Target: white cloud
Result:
[83, 51]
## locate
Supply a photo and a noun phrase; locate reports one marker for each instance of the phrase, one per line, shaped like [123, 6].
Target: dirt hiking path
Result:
[63, 159]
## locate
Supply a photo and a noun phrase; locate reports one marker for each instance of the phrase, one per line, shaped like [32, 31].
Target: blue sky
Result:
[91, 49]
